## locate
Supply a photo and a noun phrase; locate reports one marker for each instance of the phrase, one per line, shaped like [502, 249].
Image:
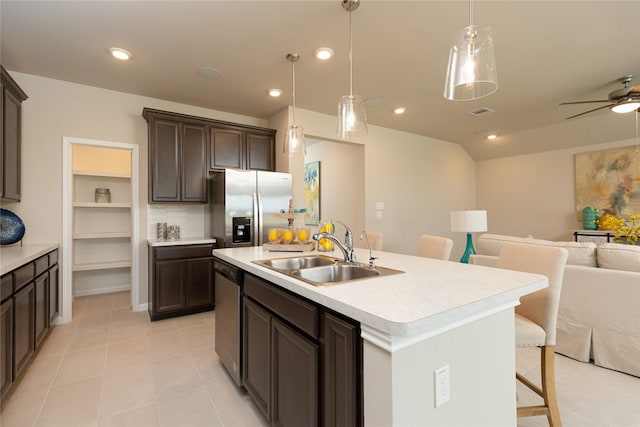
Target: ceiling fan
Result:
[622, 100]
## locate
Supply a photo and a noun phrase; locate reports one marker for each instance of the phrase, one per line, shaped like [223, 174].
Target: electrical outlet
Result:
[441, 379]
[379, 214]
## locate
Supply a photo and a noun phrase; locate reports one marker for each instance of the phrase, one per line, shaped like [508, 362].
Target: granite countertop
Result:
[432, 296]
[183, 241]
[12, 257]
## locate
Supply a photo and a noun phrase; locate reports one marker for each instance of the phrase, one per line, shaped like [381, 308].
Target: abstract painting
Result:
[312, 192]
[608, 180]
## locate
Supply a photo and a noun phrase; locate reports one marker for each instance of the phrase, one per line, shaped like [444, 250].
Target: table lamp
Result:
[469, 222]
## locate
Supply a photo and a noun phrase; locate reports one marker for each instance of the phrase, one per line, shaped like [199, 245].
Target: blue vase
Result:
[590, 218]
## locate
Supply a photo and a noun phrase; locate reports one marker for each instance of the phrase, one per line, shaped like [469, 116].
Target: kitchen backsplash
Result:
[189, 218]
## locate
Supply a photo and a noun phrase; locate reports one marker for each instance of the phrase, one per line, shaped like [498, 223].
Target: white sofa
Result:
[599, 314]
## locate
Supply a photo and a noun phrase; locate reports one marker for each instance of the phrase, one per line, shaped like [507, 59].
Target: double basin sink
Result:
[320, 270]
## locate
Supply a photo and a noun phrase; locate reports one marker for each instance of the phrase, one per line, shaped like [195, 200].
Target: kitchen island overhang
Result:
[436, 313]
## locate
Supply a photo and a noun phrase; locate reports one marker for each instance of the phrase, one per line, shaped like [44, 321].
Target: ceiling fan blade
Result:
[590, 111]
[583, 102]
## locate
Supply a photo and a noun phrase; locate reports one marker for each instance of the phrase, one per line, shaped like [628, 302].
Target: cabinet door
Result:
[24, 327]
[53, 293]
[164, 161]
[256, 363]
[194, 163]
[169, 286]
[199, 282]
[42, 307]
[260, 151]
[339, 373]
[294, 370]
[226, 149]
[11, 138]
[6, 345]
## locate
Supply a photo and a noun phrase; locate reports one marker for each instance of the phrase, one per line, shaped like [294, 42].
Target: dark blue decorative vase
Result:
[11, 227]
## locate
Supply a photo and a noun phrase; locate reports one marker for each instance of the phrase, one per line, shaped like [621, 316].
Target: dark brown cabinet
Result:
[10, 129]
[180, 280]
[24, 327]
[27, 315]
[177, 160]
[6, 345]
[301, 362]
[183, 148]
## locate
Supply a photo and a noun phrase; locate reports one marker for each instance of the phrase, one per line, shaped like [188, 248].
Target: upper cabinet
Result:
[10, 128]
[182, 149]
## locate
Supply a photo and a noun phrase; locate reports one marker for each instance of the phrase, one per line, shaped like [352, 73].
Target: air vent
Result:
[481, 111]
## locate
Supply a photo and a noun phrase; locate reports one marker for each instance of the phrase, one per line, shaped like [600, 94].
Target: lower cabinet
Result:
[180, 280]
[301, 362]
[6, 345]
[24, 327]
[29, 303]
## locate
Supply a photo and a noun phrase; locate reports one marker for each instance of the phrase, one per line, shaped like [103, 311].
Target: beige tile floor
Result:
[112, 367]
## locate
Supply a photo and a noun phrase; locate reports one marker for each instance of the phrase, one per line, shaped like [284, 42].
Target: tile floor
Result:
[113, 367]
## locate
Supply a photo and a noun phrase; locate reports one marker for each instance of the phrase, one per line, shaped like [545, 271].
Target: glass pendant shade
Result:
[294, 141]
[471, 73]
[352, 118]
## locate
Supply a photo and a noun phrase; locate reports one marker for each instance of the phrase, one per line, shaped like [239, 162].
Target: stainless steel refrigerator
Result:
[242, 204]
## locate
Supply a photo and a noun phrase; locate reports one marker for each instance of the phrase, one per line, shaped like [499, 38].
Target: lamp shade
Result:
[469, 221]
[294, 141]
[352, 118]
[471, 73]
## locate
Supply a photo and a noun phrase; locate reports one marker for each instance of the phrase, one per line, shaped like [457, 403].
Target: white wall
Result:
[55, 109]
[419, 179]
[533, 194]
[342, 183]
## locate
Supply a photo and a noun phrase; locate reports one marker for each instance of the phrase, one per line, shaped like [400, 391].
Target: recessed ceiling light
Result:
[323, 53]
[399, 110]
[274, 92]
[209, 73]
[119, 53]
[492, 136]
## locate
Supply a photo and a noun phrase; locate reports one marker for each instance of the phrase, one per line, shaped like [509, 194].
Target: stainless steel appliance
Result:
[228, 323]
[242, 204]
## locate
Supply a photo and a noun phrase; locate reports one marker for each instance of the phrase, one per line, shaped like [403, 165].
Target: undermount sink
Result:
[321, 270]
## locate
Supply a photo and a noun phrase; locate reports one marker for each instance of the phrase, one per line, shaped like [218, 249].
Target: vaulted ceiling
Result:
[547, 52]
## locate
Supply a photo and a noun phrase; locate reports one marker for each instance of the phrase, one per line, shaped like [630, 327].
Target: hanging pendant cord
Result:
[637, 138]
[470, 13]
[350, 55]
[293, 90]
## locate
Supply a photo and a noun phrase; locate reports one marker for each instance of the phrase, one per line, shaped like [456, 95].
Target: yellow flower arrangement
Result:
[628, 232]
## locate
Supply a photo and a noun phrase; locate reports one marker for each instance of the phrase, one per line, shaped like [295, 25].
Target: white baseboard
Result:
[100, 291]
[142, 307]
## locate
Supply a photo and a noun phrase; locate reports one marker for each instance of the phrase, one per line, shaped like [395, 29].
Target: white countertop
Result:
[431, 296]
[12, 257]
[183, 241]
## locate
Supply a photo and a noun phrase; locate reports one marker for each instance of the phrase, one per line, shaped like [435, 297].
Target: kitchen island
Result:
[436, 314]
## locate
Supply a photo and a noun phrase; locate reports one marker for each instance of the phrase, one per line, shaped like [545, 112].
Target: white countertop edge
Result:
[179, 242]
[434, 323]
[12, 257]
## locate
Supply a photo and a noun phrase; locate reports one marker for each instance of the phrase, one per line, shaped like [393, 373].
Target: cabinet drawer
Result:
[7, 286]
[42, 264]
[53, 258]
[23, 275]
[181, 252]
[298, 312]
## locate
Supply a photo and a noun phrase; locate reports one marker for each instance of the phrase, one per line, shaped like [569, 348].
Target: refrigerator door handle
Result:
[256, 220]
[260, 221]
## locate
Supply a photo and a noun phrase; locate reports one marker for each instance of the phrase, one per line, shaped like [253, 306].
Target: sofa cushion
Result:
[617, 256]
[579, 253]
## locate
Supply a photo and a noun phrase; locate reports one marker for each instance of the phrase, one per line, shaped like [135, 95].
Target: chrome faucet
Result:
[346, 247]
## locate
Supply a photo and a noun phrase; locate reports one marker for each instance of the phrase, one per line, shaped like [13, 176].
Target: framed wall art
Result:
[608, 180]
[312, 192]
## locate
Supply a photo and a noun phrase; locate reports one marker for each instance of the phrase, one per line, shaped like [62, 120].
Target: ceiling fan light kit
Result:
[623, 100]
[352, 117]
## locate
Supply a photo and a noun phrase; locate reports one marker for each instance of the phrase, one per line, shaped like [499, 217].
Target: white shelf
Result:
[102, 174]
[100, 205]
[103, 235]
[101, 265]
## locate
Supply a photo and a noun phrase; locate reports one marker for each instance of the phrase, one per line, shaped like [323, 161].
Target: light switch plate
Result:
[380, 206]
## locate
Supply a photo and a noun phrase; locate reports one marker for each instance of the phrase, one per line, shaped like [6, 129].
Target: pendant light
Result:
[294, 138]
[471, 73]
[352, 118]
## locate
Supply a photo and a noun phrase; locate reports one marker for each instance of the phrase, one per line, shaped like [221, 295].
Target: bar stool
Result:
[435, 247]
